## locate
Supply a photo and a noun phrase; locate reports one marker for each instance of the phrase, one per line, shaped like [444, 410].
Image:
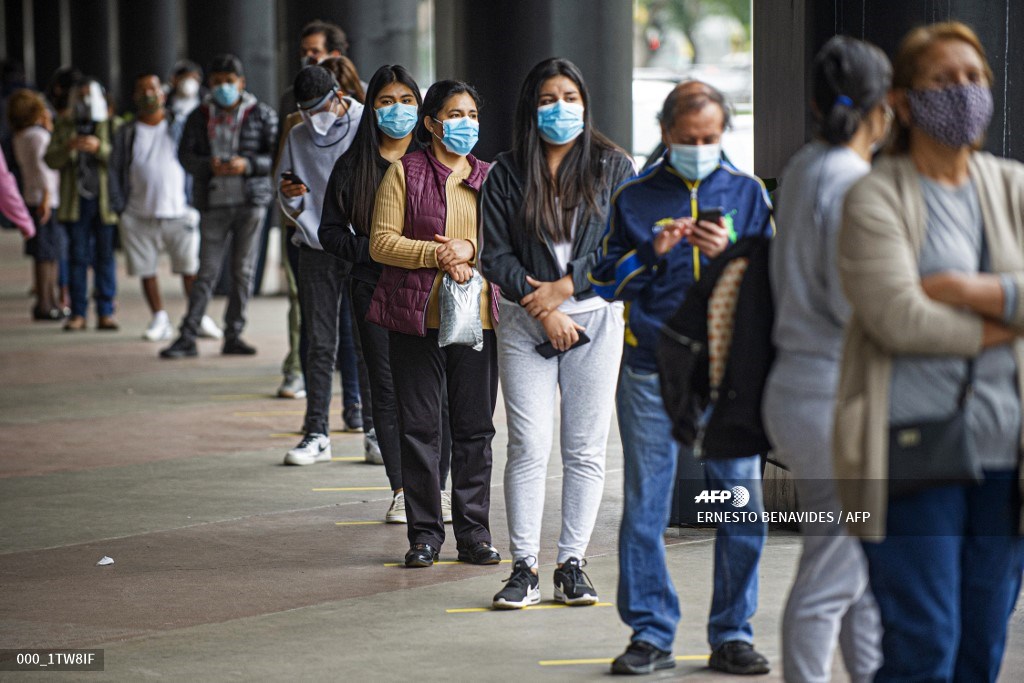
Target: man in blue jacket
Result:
[654, 250]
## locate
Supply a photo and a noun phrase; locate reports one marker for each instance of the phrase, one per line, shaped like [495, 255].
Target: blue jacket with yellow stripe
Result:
[653, 288]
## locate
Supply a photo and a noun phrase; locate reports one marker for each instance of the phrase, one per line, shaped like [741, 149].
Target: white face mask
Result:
[97, 102]
[323, 121]
[188, 87]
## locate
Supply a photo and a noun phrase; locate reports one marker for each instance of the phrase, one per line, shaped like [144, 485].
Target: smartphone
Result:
[711, 215]
[548, 350]
[292, 178]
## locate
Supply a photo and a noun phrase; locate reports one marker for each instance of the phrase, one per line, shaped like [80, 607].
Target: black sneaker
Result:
[479, 553]
[738, 657]
[642, 658]
[521, 589]
[352, 417]
[183, 347]
[572, 585]
[237, 347]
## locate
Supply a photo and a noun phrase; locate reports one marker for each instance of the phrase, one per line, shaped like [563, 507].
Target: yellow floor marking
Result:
[574, 662]
[466, 610]
[349, 458]
[356, 488]
[355, 523]
[402, 564]
[239, 397]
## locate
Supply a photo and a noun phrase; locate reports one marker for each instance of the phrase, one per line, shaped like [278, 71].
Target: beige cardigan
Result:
[883, 230]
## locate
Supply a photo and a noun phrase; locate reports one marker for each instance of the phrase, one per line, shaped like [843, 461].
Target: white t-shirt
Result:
[37, 178]
[156, 178]
[563, 254]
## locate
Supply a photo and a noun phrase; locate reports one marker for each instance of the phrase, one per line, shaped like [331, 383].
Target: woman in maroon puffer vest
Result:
[425, 224]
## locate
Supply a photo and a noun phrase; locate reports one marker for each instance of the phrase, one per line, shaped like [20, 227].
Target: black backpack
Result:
[723, 421]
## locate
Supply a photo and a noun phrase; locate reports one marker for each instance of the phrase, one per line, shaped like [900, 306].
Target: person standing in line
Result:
[227, 147]
[830, 600]
[32, 124]
[543, 213]
[932, 261]
[149, 189]
[329, 120]
[653, 252]
[80, 149]
[184, 93]
[425, 225]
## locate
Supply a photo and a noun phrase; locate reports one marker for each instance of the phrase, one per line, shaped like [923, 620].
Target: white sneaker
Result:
[446, 507]
[312, 449]
[208, 329]
[292, 386]
[396, 513]
[160, 328]
[372, 448]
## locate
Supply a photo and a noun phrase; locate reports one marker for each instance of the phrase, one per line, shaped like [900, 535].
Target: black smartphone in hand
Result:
[711, 214]
[548, 350]
[292, 178]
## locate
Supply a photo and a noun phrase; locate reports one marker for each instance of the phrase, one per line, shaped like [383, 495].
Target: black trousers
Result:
[420, 369]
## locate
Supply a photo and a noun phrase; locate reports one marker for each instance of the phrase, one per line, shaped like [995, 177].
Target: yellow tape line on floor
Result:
[357, 488]
[402, 564]
[575, 662]
[467, 610]
[355, 523]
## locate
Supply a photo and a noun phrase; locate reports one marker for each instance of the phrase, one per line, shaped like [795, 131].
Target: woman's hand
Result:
[292, 190]
[561, 330]
[43, 212]
[453, 252]
[980, 292]
[546, 296]
[461, 273]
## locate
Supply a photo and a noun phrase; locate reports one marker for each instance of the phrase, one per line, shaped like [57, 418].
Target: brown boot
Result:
[75, 323]
[107, 323]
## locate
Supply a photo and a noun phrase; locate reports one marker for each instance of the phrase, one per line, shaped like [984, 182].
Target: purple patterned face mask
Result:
[955, 116]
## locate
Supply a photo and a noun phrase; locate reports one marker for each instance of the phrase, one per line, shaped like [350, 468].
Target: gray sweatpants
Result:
[830, 600]
[585, 377]
[243, 224]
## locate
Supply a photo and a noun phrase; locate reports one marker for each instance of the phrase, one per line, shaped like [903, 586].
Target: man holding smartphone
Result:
[227, 146]
[664, 227]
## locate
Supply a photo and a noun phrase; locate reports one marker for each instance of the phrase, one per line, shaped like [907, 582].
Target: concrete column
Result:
[245, 28]
[150, 37]
[494, 45]
[52, 37]
[94, 40]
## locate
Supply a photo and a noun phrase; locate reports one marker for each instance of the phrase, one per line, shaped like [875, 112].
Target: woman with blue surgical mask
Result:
[425, 223]
[544, 210]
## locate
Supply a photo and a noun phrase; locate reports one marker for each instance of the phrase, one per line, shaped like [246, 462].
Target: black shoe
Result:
[237, 347]
[521, 589]
[182, 347]
[642, 658]
[738, 657]
[52, 315]
[479, 553]
[421, 555]
[572, 585]
[352, 417]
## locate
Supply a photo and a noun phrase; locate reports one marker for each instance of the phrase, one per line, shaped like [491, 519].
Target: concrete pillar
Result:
[245, 28]
[494, 45]
[52, 37]
[151, 40]
[94, 40]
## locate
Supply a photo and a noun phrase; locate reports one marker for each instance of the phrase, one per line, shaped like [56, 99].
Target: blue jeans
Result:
[91, 243]
[946, 579]
[647, 600]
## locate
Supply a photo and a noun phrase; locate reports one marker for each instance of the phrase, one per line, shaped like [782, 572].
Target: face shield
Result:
[321, 115]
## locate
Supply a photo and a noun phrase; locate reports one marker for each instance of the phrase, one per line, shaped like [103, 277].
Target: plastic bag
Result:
[460, 312]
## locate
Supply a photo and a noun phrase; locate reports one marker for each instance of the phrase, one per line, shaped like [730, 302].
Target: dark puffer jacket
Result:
[256, 139]
[400, 300]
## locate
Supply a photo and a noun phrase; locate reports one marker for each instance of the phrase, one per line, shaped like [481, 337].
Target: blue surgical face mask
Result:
[225, 94]
[560, 122]
[460, 135]
[695, 162]
[397, 120]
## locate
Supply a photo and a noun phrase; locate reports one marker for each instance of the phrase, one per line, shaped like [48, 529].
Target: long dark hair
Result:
[362, 155]
[434, 100]
[851, 77]
[580, 178]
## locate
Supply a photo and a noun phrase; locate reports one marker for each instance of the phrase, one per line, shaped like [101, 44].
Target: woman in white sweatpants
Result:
[830, 601]
[543, 213]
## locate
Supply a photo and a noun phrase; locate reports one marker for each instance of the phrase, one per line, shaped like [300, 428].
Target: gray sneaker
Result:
[293, 386]
[372, 449]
